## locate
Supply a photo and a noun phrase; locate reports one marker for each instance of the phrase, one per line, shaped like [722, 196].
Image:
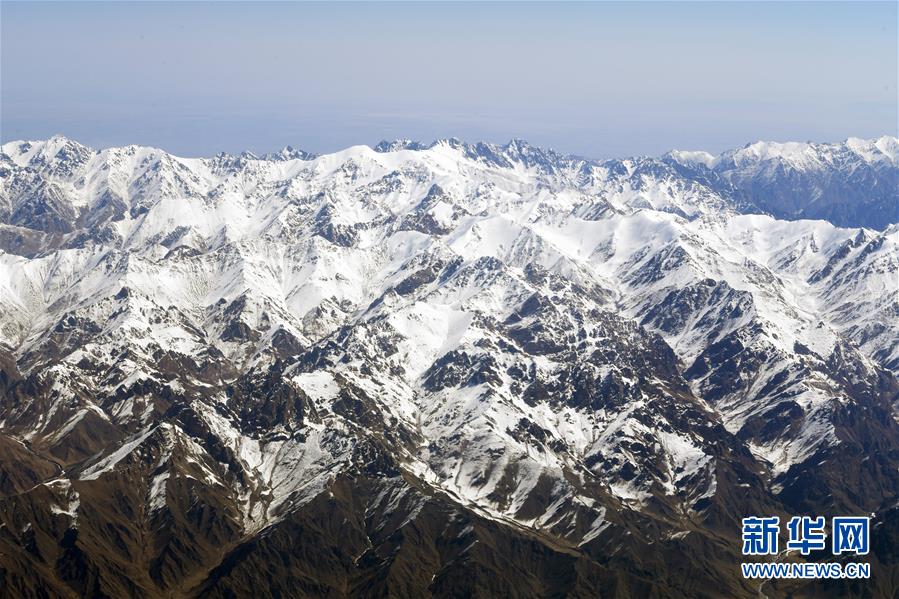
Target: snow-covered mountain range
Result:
[442, 369]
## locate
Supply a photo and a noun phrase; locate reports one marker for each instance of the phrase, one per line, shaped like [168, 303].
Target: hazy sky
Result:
[598, 80]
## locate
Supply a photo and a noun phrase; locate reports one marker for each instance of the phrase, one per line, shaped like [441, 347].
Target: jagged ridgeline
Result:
[444, 369]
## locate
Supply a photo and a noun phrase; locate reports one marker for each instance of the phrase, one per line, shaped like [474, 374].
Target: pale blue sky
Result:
[598, 80]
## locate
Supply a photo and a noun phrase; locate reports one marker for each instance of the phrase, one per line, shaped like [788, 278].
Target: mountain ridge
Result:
[464, 352]
[784, 179]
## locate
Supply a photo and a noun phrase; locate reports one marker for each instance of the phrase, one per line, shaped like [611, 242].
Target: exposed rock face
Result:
[445, 369]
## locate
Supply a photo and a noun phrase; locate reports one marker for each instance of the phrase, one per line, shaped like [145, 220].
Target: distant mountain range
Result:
[442, 369]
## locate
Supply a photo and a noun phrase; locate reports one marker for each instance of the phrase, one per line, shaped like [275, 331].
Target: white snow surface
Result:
[207, 248]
